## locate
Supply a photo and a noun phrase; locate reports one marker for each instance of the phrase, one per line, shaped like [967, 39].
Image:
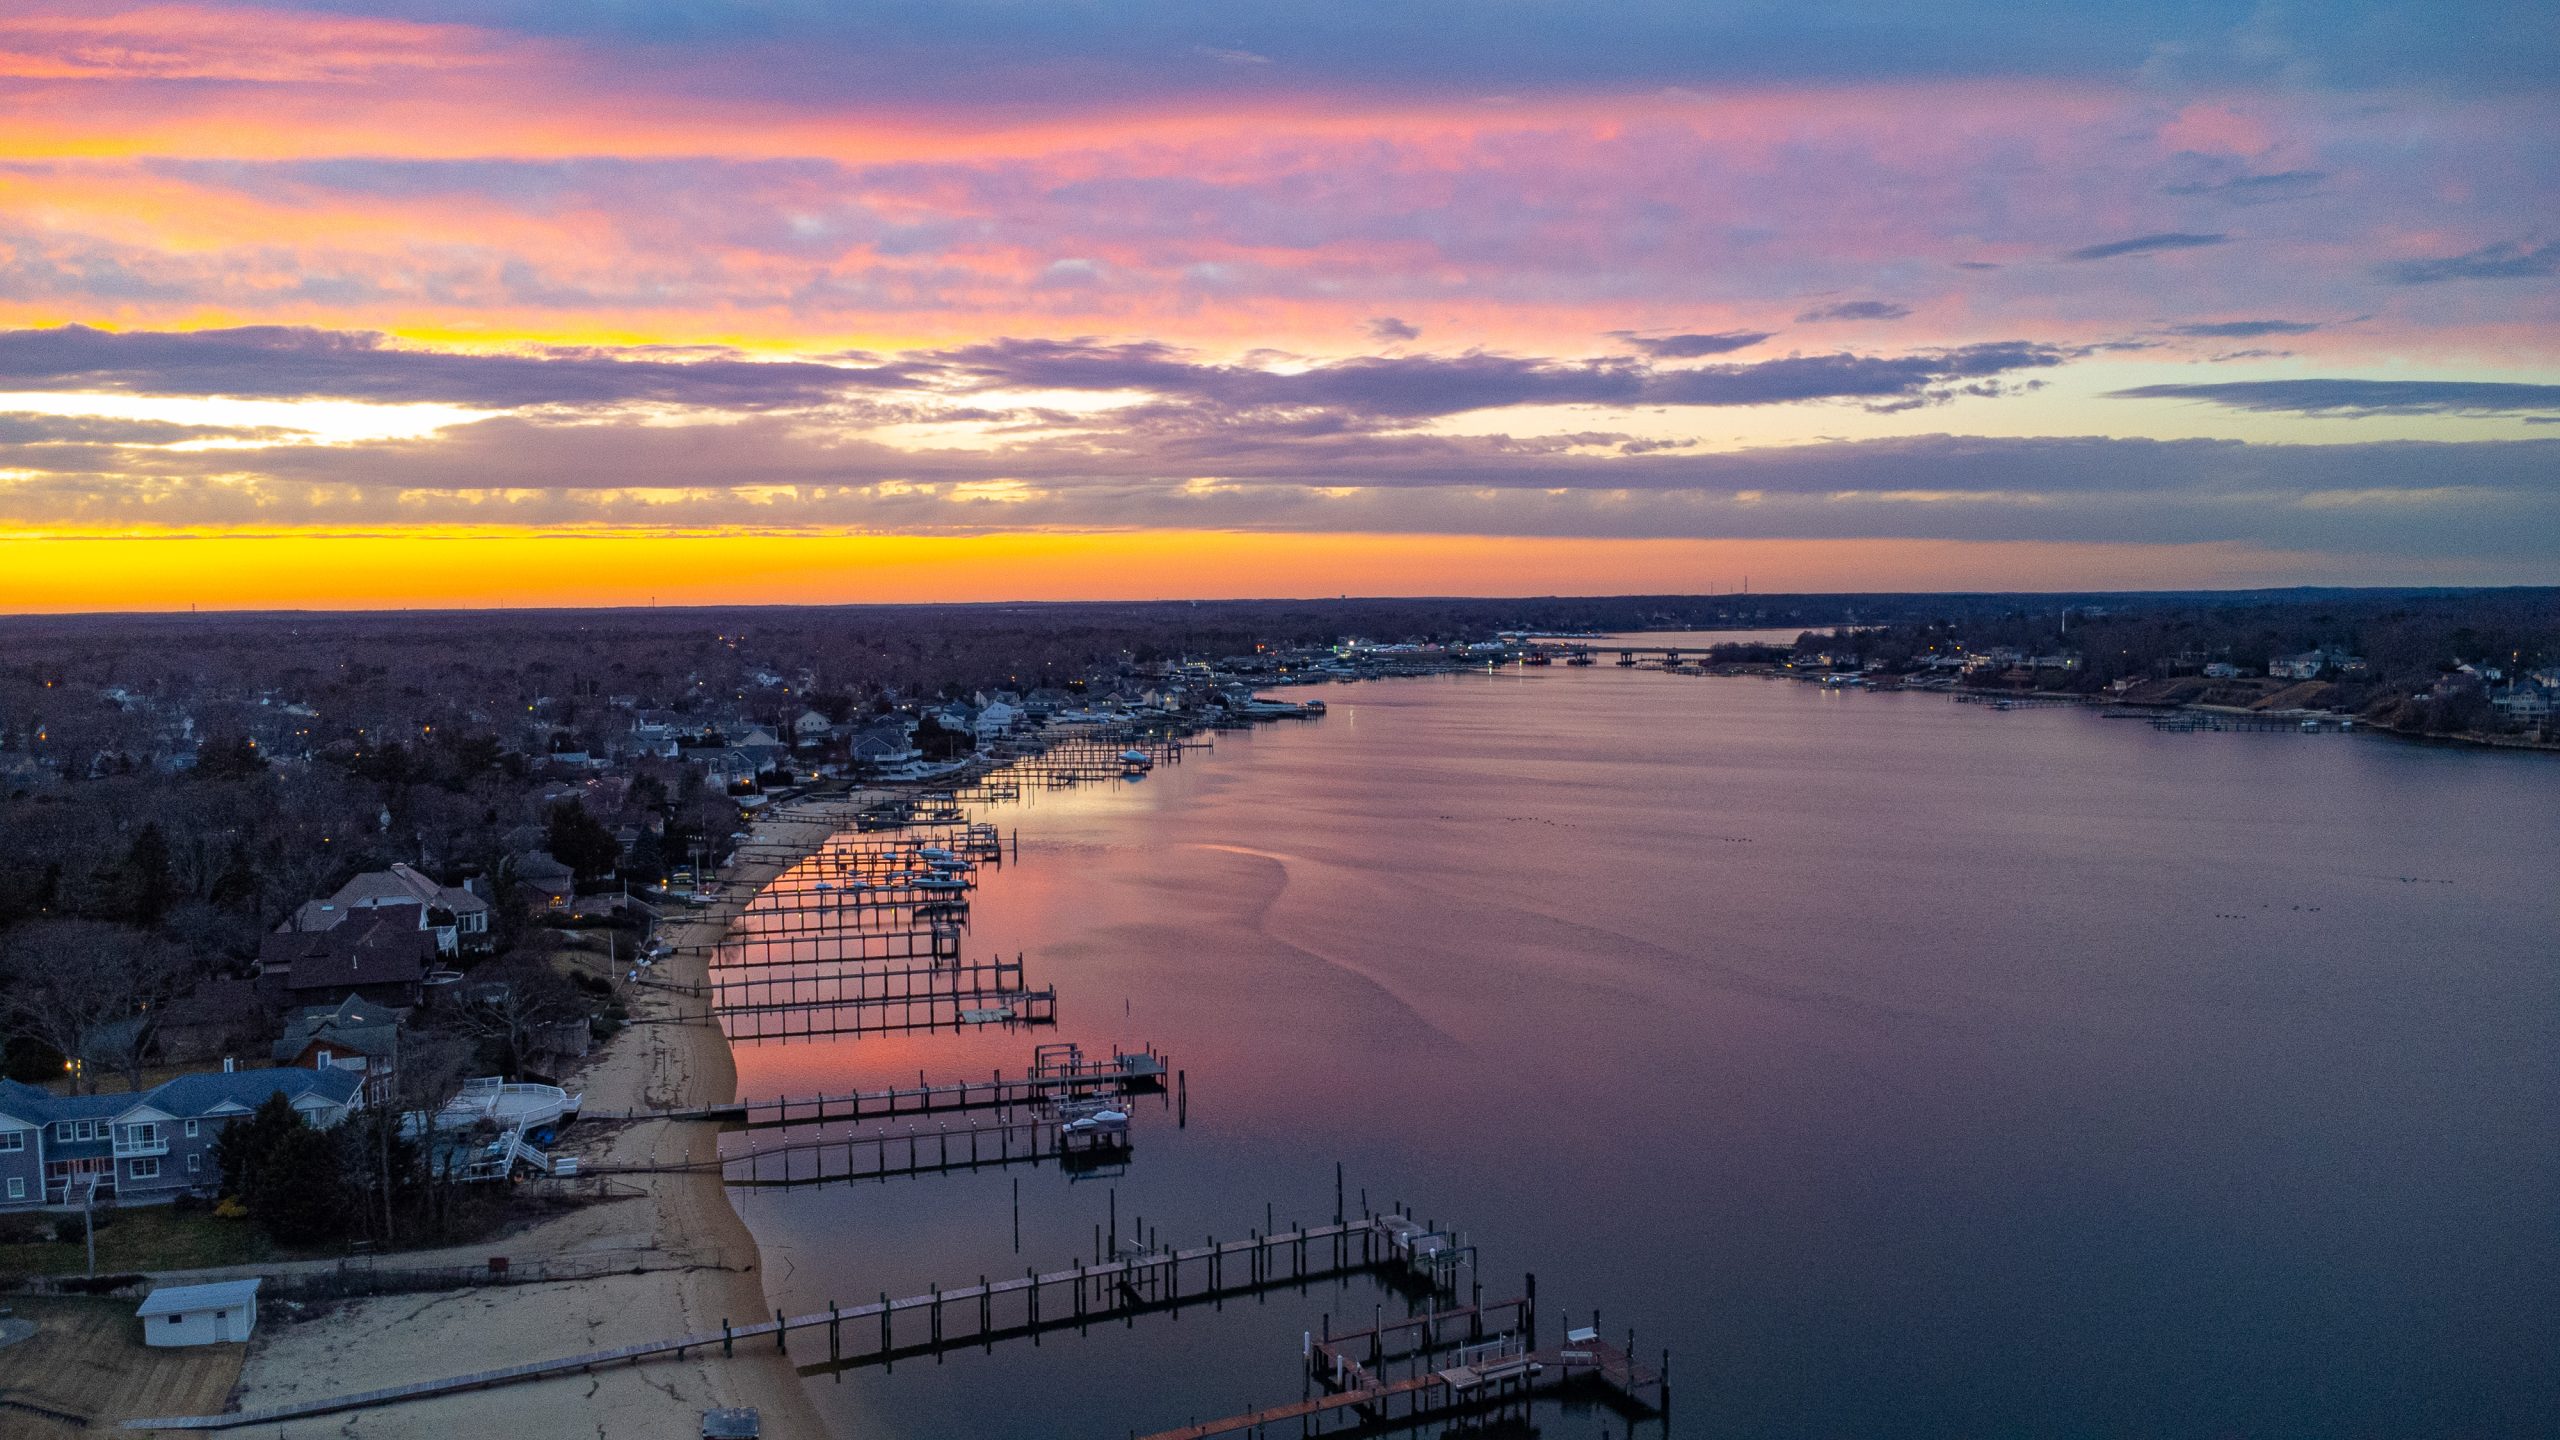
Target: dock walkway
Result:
[1094, 1293]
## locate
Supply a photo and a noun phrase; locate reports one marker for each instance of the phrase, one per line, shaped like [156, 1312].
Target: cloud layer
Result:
[1830, 269]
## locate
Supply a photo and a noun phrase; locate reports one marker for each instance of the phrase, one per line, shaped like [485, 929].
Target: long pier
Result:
[933, 941]
[885, 1154]
[839, 986]
[944, 1011]
[999, 1309]
[1071, 1078]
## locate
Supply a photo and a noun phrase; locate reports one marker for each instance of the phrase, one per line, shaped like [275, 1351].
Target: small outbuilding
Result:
[200, 1314]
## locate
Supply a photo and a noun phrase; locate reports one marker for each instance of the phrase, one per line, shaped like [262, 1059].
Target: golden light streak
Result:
[80, 571]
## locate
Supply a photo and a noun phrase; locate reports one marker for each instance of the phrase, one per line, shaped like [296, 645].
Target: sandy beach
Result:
[698, 1267]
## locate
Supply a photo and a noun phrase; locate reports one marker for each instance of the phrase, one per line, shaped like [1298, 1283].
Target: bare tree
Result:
[82, 986]
[513, 999]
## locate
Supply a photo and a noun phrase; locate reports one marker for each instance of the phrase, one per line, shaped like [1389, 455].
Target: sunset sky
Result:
[504, 302]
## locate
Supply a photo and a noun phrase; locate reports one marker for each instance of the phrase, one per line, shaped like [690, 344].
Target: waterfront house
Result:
[888, 743]
[2524, 703]
[381, 954]
[2312, 664]
[542, 882]
[148, 1146]
[353, 1035]
[457, 918]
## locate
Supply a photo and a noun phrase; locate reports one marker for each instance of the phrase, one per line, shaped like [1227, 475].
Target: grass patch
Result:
[146, 1237]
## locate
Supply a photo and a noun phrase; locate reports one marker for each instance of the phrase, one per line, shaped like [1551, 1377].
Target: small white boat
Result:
[1095, 1122]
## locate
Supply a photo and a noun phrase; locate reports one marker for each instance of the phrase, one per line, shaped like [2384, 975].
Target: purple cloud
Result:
[2145, 245]
[1855, 310]
[1691, 347]
[2506, 260]
[2244, 329]
[2362, 397]
[286, 362]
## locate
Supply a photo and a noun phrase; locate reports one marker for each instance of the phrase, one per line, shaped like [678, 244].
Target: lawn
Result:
[145, 1237]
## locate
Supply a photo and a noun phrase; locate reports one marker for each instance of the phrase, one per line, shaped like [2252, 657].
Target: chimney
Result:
[229, 1064]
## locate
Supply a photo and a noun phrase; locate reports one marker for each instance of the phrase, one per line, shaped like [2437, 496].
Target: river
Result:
[1901, 1066]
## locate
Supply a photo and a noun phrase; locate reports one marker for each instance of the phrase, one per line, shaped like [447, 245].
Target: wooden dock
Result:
[1459, 1363]
[995, 1309]
[1126, 1073]
[932, 941]
[1029, 1139]
[1598, 1369]
[884, 985]
[942, 1011]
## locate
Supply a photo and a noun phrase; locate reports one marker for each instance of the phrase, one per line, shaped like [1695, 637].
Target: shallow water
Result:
[1901, 1066]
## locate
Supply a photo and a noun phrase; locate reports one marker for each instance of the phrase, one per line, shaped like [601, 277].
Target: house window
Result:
[13, 1141]
[88, 1129]
[191, 1129]
[194, 1163]
[148, 1169]
[17, 1188]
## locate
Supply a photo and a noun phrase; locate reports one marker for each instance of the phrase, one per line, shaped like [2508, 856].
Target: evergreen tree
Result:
[148, 886]
[580, 841]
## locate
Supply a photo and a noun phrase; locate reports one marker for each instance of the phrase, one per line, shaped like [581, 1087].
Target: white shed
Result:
[200, 1314]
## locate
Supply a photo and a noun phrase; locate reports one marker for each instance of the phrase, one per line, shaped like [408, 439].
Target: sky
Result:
[479, 302]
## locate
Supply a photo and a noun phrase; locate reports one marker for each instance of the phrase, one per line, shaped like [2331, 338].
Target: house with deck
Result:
[152, 1145]
[457, 918]
[379, 953]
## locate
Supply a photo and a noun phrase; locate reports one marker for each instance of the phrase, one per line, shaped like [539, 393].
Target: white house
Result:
[200, 1314]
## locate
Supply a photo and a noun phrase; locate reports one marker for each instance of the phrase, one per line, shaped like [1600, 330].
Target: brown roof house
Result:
[356, 1035]
[378, 954]
[222, 1017]
[457, 918]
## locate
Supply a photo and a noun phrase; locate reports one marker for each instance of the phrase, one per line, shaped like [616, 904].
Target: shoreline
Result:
[695, 1264]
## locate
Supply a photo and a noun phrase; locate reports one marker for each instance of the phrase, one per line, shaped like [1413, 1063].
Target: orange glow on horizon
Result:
[76, 572]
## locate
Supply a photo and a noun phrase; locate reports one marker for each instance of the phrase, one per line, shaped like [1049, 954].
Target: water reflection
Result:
[1897, 1064]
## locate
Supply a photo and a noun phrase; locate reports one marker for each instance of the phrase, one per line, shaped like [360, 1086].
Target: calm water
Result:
[1905, 1067]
